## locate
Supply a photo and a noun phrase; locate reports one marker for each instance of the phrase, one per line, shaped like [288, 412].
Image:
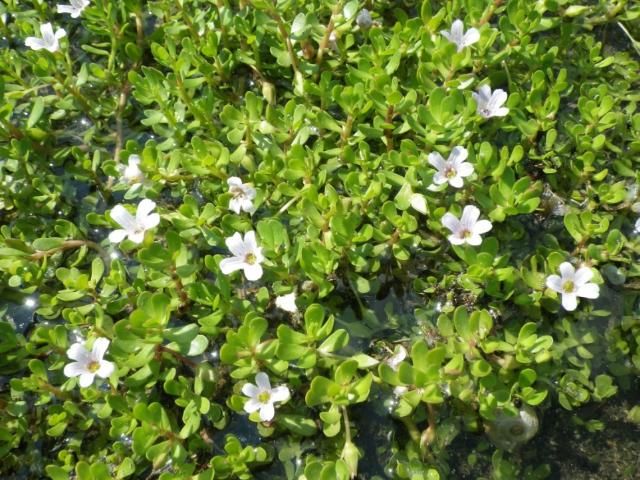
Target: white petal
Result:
[567, 272]
[257, 252]
[500, 112]
[280, 394]
[100, 346]
[498, 98]
[66, 9]
[250, 390]
[457, 156]
[117, 235]
[34, 43]
[252, 405]
[588, 290]
[123, 218]
[436, 160]
[267, 412]
[456, 182]
[569, 301]
[150, 221]
[582, 276]
[474, 239]
[554, 282]
[470, 216]
[439, 178]
[74, 369]
[86, 379]
[234, 182]
[457, 27]
[78, 352]
[144, 209]
[464, 169]
[287, 302]
[137, 236]
[250, 192]
[236, 245]
[235, 205]
[253, 272]
[262, 381]
[231, 264]
[106, 369]
[482, 226]
[450, 221]
[485, 93]
[46, 29]
[471, 37]
[456, 240]
[61, 32]
[250, 241]
[247, 205]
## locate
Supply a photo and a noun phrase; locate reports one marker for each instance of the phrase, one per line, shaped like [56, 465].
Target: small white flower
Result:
[399, 354]
[75, 9]
[572, 283]
[287, 302]
[89, 363]
[490, 104]
[262, 397]
[400, 390]
[247, 256]
[637, 226]
[453, 169]
[131, 173]
[134, 227]
[242, 196]
[468, 229]
[418, 203]
[49, 40]
[457, 35]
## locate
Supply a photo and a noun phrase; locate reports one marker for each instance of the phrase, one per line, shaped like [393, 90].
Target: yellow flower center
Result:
[93, 367]
[568, 286]
[450, 172]
[250, 258]
[236, 191]
[465, 233]
[264, 397]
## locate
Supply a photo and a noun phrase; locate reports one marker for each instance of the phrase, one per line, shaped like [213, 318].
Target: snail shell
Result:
[508, 431]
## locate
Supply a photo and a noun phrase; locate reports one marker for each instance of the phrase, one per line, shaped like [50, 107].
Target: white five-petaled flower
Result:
[262, 396]
[287, 302]
[247, 256]
[75, 9]
[468, 229]
[399, 354]
[490, 104]
[572, 283]
[134, 227]
[132, 173]
[242, 196]
[453, 169]
[89, 363]
[49, 40]
[457, 35]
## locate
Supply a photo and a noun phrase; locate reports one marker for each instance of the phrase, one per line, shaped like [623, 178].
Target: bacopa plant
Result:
[320, 240]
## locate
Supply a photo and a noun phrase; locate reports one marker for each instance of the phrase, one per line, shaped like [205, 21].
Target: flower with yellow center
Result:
[262, 397]
[452, 170]
[242, 196]
[468, 228]
[89, 363]
[247, 256]
[572, 283]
